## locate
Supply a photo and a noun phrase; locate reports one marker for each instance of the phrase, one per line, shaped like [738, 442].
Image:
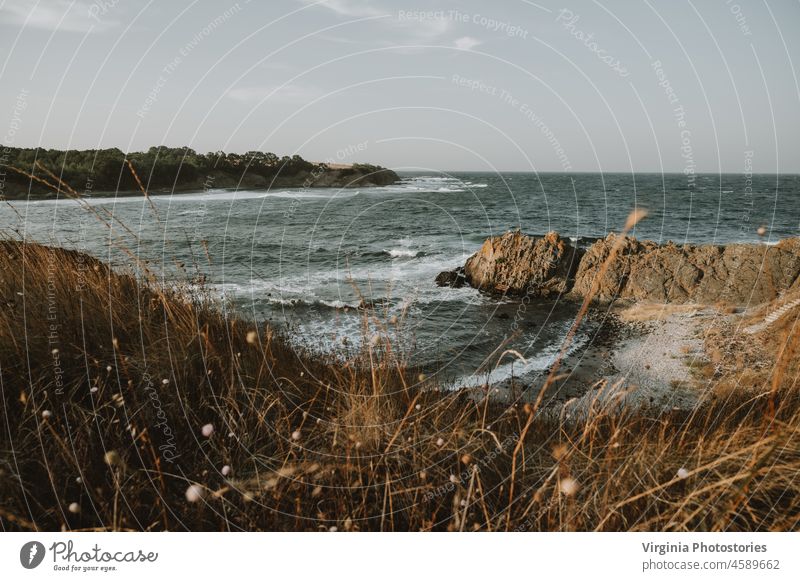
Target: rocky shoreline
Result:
[551, 266]
[654, 306]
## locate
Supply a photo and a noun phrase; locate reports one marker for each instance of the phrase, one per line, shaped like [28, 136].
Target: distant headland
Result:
[47, 173]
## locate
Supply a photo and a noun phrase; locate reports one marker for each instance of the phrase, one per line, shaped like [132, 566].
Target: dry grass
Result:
[315, 444]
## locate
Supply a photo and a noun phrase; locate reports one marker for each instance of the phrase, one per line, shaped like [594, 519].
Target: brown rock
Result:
[737, 273]
[517, 264]
[452, 278]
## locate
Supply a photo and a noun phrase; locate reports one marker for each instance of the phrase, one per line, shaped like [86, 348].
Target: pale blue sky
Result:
[512, 85]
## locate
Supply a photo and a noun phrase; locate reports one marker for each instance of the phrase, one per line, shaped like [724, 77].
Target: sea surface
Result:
[306, 260]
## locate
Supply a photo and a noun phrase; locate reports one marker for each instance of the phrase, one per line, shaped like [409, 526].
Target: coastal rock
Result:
[351, 176]
[614, 279]
[517, 264]
[452, 278]
[738, 274]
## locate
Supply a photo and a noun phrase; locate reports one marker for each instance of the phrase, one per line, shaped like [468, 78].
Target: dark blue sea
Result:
[307, 259]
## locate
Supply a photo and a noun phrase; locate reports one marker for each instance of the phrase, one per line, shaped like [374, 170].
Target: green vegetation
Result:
[167, 169]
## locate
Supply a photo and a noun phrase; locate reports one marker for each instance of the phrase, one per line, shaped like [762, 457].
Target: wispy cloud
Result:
[354, 8]
[422, 30]
[58, 15]
[285, 94]
[404, 33]
[428, 30]
[466, 43]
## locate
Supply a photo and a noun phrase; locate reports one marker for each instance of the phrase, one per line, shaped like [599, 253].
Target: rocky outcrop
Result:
[354, 176]
[737, 273]
[517, 264]
[642, 270]
[335, 176]
[452, 278]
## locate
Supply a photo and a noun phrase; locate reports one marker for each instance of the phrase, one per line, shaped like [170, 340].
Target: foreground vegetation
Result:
[130, 406]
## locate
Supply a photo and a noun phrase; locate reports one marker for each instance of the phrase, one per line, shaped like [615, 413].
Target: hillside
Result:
[129, 406]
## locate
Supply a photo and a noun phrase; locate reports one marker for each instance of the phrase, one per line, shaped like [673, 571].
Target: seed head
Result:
[112, 458]
[568, 486]
[195, 493]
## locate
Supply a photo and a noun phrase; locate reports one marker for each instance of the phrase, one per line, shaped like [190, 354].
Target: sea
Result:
[341, 270]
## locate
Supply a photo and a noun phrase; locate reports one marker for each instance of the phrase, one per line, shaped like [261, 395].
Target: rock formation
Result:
[518, 264]
[737, 273]
[642, 270]
[452, 278]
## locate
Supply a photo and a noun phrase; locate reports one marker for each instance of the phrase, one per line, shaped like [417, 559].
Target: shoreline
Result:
[179, 190]
[162, 192]
[639, 354]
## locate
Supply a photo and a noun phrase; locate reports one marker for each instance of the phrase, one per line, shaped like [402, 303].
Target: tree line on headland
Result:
[36, 172]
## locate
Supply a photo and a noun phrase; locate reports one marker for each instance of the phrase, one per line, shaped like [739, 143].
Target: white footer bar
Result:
[402, 556]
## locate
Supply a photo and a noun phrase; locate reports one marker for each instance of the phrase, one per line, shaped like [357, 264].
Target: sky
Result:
[656, 85]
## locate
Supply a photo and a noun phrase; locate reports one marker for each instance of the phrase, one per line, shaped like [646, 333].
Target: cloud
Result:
[466, 43]
[422, 29]
[346, 7]
[403, 30]
[425, 30]
[59, 15]
[273, 94]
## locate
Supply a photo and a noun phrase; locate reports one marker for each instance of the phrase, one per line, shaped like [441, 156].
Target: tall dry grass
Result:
[131, 405]
[109, 379]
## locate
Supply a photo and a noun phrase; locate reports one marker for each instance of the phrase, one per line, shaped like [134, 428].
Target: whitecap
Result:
[403, 253]
[542, 361]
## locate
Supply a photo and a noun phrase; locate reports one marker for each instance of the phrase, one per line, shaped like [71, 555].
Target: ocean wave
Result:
[301, 303]
[428, 184]
[433, 179]
[321, 194]
[404, 253]
[542, 361]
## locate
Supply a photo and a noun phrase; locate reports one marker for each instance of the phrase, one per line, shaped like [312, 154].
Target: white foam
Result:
[403, 253]
[542, 361]
[206, 196]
